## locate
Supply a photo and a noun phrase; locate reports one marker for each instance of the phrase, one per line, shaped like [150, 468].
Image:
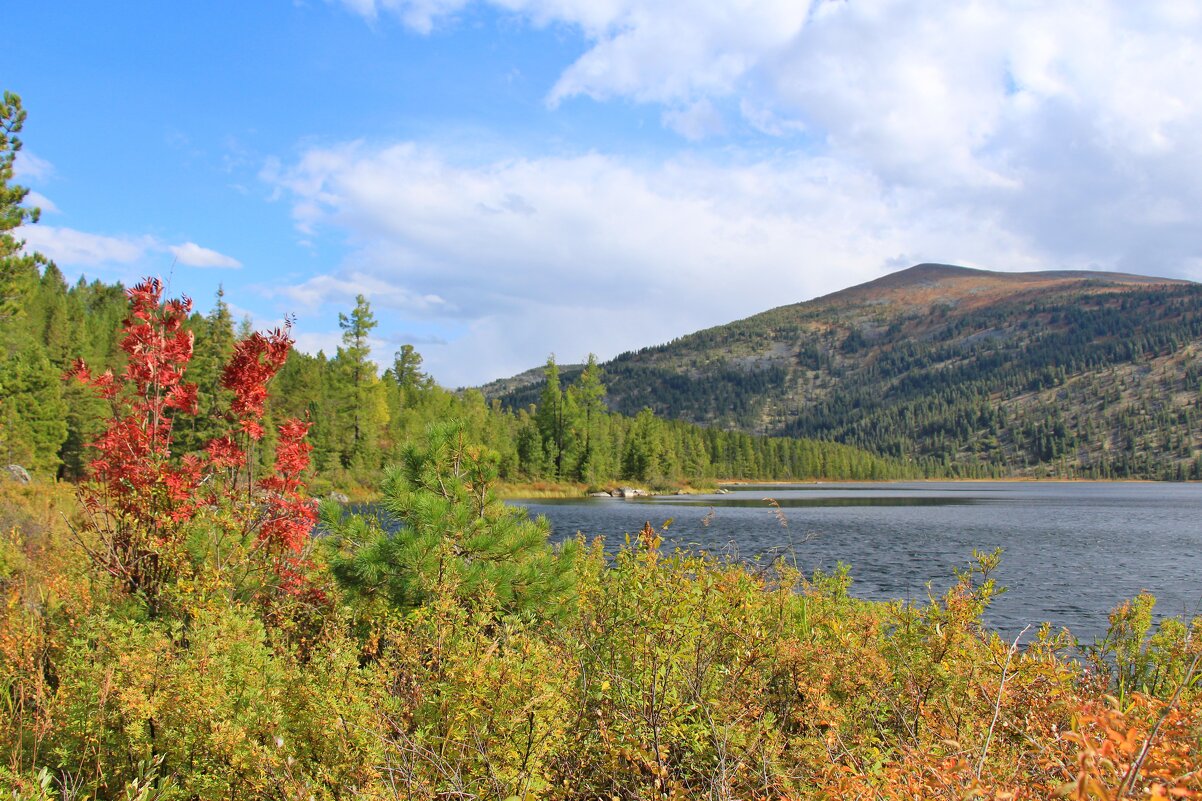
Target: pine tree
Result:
[452, 536]
[32, 413]
[18, 272]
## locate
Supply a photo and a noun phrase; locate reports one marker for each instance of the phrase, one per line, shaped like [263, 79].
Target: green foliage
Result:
[33, 415]
[959, 373]
[668, 676]
[1142, 656]
[446, 533]
[16, 270]
[358, 397]
[361, 421]
[212, 351]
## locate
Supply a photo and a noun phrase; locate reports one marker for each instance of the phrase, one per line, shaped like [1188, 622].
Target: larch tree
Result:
[362, 407]
[555, 411]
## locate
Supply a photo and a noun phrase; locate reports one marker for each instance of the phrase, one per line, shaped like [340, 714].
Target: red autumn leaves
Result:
[140, 486]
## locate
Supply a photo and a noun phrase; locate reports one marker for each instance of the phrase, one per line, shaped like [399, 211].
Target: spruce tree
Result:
[551, 419]
[33, 416]
[588, 397]
[212, 351]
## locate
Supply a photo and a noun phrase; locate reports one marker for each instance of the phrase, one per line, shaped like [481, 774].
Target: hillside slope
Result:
[986, 373]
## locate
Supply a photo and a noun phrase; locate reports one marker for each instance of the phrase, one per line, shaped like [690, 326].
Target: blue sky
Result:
[512, 178]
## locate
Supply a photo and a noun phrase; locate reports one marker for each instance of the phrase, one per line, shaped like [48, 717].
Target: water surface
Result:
[1071, 550]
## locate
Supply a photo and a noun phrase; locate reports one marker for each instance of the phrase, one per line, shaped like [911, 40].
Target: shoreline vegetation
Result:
[172, 630]
[543, 489]
[549, 673]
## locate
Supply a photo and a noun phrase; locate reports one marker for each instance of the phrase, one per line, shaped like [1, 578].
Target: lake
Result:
[1071, 550]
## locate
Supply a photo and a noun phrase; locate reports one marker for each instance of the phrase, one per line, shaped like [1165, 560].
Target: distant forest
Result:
[1091, 381]
[361, 417]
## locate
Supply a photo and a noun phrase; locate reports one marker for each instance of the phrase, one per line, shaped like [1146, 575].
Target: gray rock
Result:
[18, 474]
[339, 497]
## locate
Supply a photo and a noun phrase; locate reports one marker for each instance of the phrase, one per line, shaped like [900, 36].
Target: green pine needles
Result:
[443, 531]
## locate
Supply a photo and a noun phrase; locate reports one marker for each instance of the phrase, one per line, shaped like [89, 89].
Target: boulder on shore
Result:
[18, 474]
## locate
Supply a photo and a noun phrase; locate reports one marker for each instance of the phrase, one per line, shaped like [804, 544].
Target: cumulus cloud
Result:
[194, 255]
[937, 91]
[673, 52]
[69, 246]
[857, 136]
[598, 253]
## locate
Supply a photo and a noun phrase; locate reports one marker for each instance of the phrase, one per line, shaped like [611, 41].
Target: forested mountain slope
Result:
[1043, 373]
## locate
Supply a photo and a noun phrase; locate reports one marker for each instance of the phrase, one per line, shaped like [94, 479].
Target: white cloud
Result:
[652, 51]
[194, 255]
[29, 167]
[313, 342]
[344, 289]
[934, 93]
[417, 14]
[71, 247]
[40, 201]
[695, 121]
[68, 246]
[1010, 135]
[598, 253]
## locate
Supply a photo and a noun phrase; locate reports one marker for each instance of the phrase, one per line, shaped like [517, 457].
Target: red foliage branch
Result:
[140, 497]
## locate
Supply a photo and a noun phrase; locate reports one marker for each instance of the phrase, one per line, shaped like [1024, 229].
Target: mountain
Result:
[970, 371]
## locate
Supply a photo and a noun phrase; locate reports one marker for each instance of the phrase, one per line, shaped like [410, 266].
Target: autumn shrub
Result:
[152, 517]
[183, 639]
[194, 562]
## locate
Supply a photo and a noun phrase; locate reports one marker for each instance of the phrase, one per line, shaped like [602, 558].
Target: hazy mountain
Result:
[1067, 373]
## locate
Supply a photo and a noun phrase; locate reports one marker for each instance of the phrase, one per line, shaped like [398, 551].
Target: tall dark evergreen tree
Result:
[588, 398]
[32, 413]
[552, 419]
[361, 405]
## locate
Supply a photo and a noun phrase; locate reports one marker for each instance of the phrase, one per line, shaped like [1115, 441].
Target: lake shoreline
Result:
[898, 536]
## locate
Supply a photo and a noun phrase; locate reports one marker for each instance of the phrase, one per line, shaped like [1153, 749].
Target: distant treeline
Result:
[1078, 383]
[362, 418]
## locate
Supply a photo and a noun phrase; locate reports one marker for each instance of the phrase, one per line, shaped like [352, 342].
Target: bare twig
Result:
[997, 706]
[1129, 779]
